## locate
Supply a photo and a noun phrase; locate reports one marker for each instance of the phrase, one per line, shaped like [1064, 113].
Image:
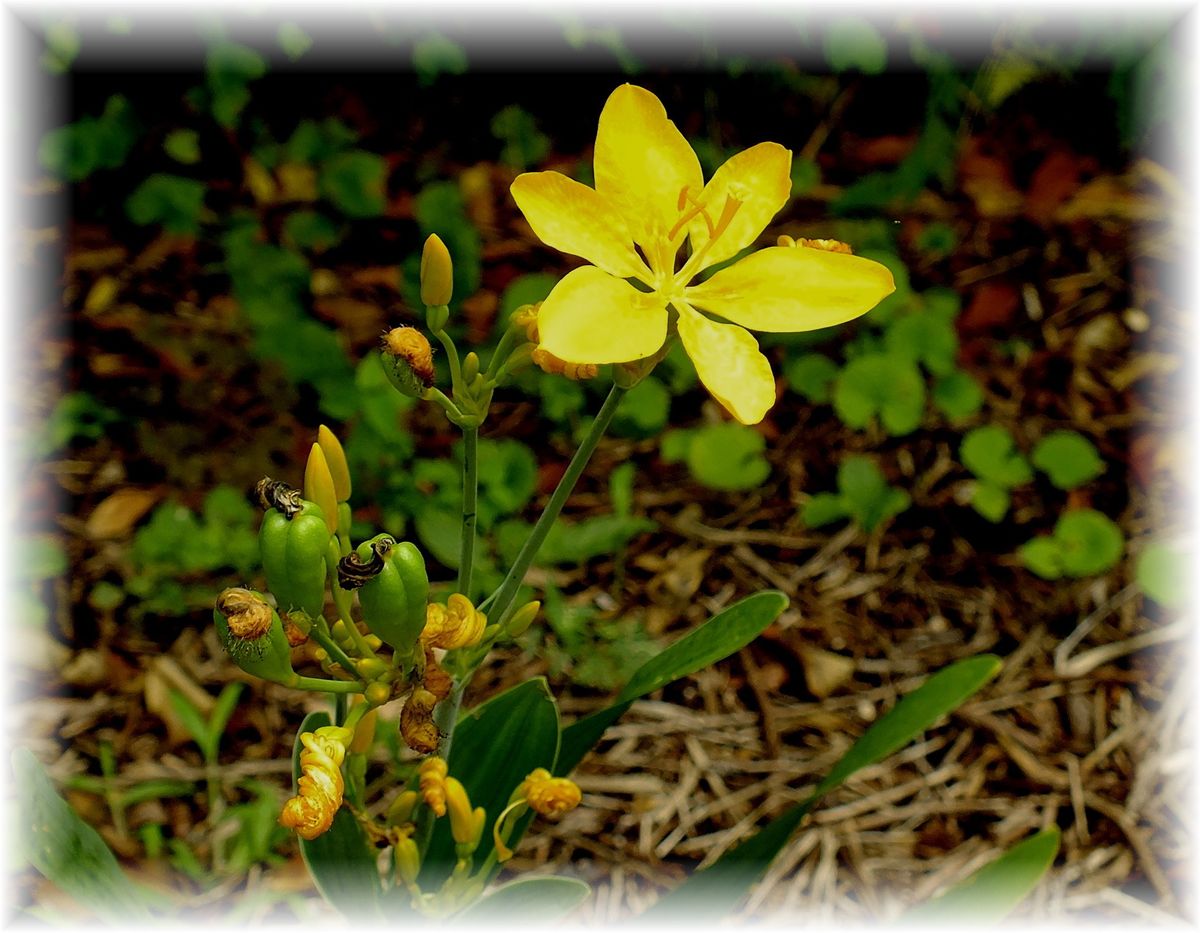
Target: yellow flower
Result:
[550, 796]
[650, 196]
[457, 624]
[320, 788]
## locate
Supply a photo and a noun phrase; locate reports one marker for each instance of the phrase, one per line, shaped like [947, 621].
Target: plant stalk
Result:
[470, 495]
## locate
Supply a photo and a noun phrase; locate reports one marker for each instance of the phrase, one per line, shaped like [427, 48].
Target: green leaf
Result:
[293, 40]
[958, 396]
[806, 175]
[524, 290]
[528, 901]
[67, 850]
[883, 386]
[222, 710]
[1089, 541]
[341, 861]
[728, 456]
[169, 200]
[990, 501]
[644, 410]
[524, 144]
[496, 745]
[507, 474]
[925, 338]
[853, 43]
[822, 509]
[718, 889]
[1161, 573]
[183, 146]
[718, 638]
[990, 453]
[311, 230]
[1068, 458]
[937, 239]
[439, 208]
[195, 724]
[995, 890]
[436, 55]
[1043, 557]
[356, 182]
[812, 376]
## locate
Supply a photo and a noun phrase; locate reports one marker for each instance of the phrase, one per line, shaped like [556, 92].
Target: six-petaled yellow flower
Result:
[650, 197]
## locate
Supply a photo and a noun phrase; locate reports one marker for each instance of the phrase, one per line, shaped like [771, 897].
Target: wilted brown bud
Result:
[408, 360]
[417, 727]
[248, 614]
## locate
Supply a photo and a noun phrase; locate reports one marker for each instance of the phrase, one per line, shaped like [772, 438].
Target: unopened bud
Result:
[549, 363]
[335, 457]
[408, 360]
[401, 809]
[470, 367]
[377, 694]
[364, 733]
[318, 486]
[296, 626]
[370, 668]
[432, 777]
[437, 272]
[458, 805]
[408, 860]
[520, 620]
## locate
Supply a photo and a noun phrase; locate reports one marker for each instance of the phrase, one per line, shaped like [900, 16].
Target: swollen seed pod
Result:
[293, 558]
[393, 601]
[251, 632]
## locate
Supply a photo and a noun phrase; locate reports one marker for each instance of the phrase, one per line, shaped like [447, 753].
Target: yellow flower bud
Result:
[432, 776]
[457, 624]
[378, 693]
[335, 458]
[320, 788]
[364, 733]
[470, 367]
[408, 360]
[550, 796]
[401, 809]
[318, 486]
[437, 272]
[522, 619]
[370, 668]
[462, 819]
[408, 860]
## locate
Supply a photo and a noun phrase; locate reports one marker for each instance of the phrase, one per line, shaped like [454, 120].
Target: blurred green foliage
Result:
[1084, 542]
[863, 495]
[726, 456]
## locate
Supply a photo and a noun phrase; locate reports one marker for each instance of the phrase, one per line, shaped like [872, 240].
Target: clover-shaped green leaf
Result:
[878, 385]
[726, 456]
[990, 453]
[1160, 572]
[169, 200]
[524, 144]
[863, 495]
[644, 410]
[1068, 458]
[958, 396]
[355, 182]
[811, 375]
[990, 501]
[928, 339]
[1084, 542]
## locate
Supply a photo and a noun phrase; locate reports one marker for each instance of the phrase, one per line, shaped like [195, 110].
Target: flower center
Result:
[691, 207]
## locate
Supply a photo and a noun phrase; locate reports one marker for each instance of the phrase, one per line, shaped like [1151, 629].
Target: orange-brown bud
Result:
[320, 788]
[550, 796]
[408, 360]
[417, 727]
[432, 776]
[549, 363]
[248, 615]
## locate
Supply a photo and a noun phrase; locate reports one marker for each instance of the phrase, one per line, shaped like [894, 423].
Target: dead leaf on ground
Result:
[824, 671]
[115, 516]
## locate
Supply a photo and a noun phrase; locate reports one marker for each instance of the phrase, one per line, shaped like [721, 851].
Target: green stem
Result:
[452, 359]
[502, 601]
[466, 558]
[329, 686]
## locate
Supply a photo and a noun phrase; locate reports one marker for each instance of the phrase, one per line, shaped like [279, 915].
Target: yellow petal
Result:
[783, 289]
[643, 163]
[592, 317]
[760, 179]
[729, 364]
[575, 219]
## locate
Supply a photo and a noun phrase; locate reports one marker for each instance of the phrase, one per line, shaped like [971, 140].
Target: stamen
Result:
[683, 198]
[697, 208]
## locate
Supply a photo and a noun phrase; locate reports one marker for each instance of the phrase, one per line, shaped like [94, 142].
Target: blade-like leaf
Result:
[67, 850]
[719, 637]
[341, 861]
[218, 719]
[495, 746]
[528, 901]
[195, 724]
[718, 889]
[995, 890]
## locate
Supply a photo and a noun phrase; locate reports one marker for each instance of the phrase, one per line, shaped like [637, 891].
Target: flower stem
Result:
[466, 558]
[501, 602]
[329, 686]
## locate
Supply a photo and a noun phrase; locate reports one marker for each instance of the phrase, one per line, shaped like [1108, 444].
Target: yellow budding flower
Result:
[319, 488]
[335, 458]
[432, 778]
[319, 790]
[437, 272]
[457, 624]
[544, 794]
[650, 195]
[550, 796]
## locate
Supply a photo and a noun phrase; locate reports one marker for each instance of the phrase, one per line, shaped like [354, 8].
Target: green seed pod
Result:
[393, 601]
[250, 630]
[293, 557]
